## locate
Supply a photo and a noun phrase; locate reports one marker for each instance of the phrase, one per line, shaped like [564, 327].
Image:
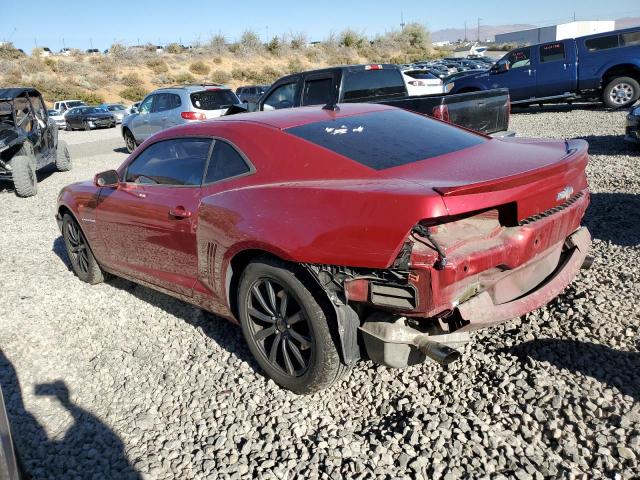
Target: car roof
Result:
[14, 92]
[195, 87]
[285, 118]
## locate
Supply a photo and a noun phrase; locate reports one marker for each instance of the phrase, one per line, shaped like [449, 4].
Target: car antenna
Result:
[331, 106]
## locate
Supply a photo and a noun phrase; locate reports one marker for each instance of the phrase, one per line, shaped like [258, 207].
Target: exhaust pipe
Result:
[588, 261]
[438, 352]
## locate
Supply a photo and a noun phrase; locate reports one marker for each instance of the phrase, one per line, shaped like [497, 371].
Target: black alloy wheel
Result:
[279, 327]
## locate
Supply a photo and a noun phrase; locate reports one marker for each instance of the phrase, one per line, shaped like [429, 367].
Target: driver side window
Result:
[145, 107]
[176, 162]
[519, 58]
[282, 97]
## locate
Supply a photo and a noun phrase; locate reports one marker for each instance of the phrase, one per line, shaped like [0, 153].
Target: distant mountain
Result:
[627, 22]
[488, 32]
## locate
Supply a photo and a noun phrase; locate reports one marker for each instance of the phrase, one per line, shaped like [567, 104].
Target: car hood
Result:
[533, 174]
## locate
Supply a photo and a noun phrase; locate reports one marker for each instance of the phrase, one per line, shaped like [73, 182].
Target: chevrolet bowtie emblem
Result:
[564, 194]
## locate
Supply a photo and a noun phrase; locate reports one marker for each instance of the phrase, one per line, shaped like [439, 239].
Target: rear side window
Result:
[213, 99]
[225, 162]
[361, 84]
[602, 43]
[167, 101]
[552, 52]
[630, 39]
[317, 92]
[387, 139]
[179, 161]
[519, 58]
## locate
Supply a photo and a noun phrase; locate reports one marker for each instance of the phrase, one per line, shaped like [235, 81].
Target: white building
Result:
[556, 32]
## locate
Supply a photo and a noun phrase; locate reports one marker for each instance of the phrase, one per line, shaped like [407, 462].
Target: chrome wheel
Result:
[279, 327]
[129, 142]
[621, 93]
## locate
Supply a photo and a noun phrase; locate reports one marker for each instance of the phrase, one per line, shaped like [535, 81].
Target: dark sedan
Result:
[632, 130]
[88, 118]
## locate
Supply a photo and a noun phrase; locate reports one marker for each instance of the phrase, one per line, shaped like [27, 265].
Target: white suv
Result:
[167, 107]
[64, 105]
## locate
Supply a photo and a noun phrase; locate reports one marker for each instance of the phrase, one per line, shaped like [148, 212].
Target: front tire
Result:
[83, 263]
[23, 172]
[63, 158]
[621, 92]
[86, 126]
[286, 328]
[129, 141]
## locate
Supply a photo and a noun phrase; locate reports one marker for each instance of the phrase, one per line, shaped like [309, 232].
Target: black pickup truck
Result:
[486, 111]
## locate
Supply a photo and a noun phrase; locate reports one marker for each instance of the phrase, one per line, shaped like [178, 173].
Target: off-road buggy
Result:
[28, 140]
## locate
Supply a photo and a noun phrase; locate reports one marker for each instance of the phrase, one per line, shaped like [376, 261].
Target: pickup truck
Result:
[486, 112]
[602, 66]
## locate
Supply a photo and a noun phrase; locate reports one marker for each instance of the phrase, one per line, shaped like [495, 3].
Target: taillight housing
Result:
[416, 83]
[441, 112]
[193, 115]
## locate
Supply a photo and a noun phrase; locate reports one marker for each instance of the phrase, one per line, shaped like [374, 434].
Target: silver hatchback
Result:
[167, 107]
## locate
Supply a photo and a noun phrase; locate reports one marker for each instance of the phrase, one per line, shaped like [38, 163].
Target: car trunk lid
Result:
[502, 172]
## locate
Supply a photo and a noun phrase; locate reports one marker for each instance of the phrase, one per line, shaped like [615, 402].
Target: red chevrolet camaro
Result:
[331, 234]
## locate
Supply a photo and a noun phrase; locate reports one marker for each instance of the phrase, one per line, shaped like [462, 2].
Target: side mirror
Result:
[134, 110]
[500, 67]
[109, 179]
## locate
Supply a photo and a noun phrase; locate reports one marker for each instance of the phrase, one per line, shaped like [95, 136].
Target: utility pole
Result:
[574, 16]
[402, 24]
[479, 29]
[266, 40]
[465, 31]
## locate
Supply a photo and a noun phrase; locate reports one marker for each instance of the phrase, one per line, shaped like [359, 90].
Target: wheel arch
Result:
[621, 70]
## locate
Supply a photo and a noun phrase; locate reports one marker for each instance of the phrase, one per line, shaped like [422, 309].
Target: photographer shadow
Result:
[89, 448]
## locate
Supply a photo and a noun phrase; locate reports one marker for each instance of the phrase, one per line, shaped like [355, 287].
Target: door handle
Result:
[179, 212]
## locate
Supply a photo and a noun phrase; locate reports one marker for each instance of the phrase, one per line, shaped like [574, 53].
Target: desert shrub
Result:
[350, 38]
[298, 40]
[157, 65]
[163, 79]
[270, 74]
[174, 48]
[244, 74]
[199, 68]
[274, 46]
[118, 50]
[184, 77]
[49, 62]
[217, 44]
[12, 77]
[313, 54]
[295, 65]
[250, 41]
[220, 76]
[91, 98]
[217, 60]
[131, 80]
[133, 93]
[9, 52]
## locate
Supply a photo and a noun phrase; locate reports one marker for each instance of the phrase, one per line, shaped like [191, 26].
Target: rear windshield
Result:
[75, 104]
[387, 139]
[361, 84]
[420, 74]
[213, 99]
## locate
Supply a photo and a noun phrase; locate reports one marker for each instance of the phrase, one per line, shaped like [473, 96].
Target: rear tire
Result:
[23, 172]
[83, 263]
[621, 92]
[86, 126]
[306, 358]
[63, 158]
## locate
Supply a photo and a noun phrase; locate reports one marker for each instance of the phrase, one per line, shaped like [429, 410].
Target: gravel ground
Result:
[118, 381]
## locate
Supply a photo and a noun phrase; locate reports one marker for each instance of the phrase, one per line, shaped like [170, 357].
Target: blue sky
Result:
[101, 23]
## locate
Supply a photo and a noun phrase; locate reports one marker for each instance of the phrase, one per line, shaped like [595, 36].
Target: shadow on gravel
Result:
[615, 368]
[121, 150]
[558, 108]
[221, 331]
[612, 217]
[61, 251]
[611, 145]
[89, 449]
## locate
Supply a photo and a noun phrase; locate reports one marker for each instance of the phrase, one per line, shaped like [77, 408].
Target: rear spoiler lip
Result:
[572, 148]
